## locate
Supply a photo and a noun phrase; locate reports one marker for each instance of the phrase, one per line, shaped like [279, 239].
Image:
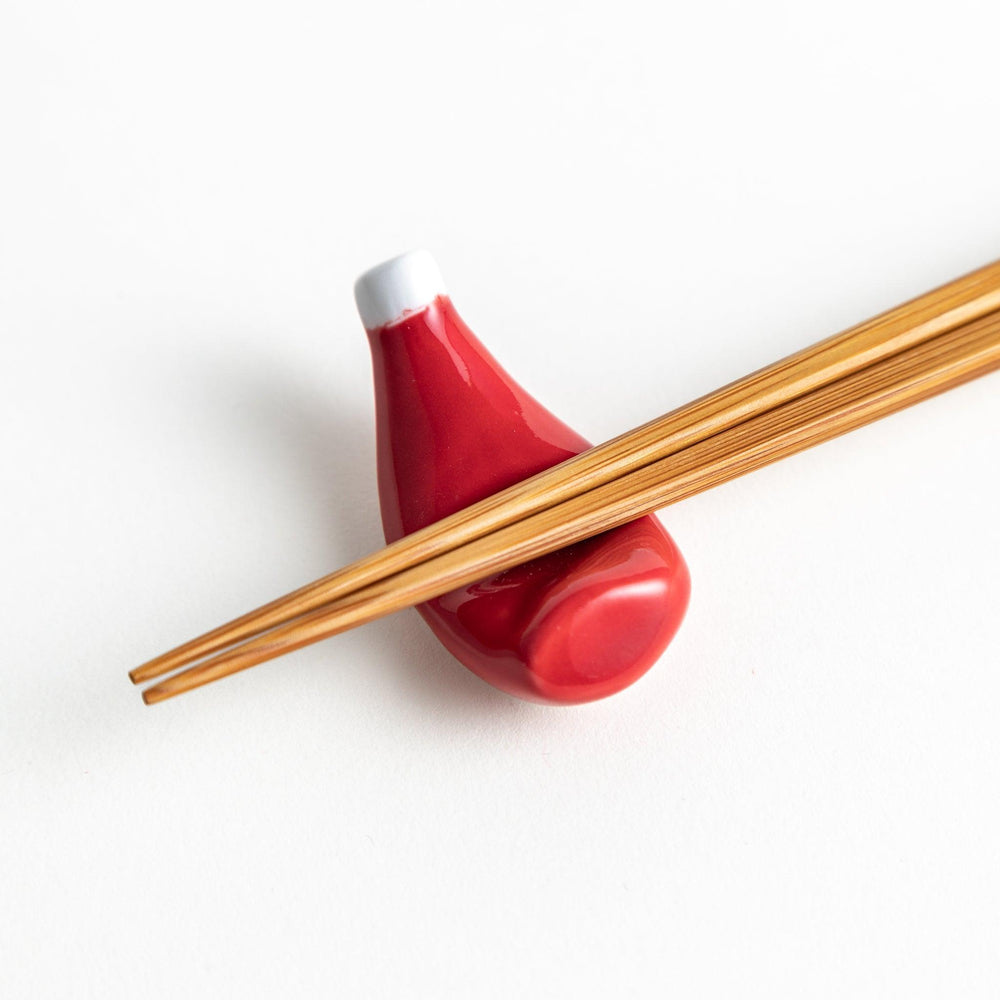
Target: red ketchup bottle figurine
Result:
[454, 427]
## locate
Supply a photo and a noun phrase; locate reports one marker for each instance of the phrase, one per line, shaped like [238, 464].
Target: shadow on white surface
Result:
[321, 444]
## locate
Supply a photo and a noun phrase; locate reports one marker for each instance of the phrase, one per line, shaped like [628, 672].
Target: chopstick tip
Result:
[150, 697]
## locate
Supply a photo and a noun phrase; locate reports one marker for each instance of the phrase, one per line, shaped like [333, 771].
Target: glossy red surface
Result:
[454, 427]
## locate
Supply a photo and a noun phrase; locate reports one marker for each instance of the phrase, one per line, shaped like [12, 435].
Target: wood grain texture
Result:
[947, 308]
[891, 384]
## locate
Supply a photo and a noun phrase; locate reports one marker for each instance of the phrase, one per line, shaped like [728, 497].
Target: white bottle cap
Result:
[390, 291]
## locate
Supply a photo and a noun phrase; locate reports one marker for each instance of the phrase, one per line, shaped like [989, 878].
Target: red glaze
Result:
[454, 427]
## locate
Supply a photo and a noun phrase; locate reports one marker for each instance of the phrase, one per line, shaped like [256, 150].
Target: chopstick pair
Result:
[919, 349]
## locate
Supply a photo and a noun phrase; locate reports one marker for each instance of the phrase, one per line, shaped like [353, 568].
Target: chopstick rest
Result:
[453, 427]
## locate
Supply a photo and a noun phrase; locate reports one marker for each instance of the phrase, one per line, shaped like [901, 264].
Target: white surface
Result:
[799, 800]
[389, 290]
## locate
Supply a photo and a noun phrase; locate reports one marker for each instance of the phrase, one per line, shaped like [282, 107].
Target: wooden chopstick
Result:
[946, 308]
[896, 382]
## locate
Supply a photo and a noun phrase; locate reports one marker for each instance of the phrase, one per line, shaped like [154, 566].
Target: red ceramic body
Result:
[454, 427]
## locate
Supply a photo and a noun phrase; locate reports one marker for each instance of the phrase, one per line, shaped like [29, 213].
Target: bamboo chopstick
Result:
[892, 384]
[946, 308]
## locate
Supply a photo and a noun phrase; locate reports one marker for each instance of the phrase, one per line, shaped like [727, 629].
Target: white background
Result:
[632, 204]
